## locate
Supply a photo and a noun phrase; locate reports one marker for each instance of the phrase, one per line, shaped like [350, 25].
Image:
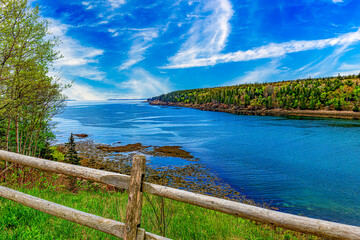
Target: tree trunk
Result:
[7, 134]
[17, 135]
[7, 164]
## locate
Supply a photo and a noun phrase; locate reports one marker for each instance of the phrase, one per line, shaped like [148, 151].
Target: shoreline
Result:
[220, 107]
[193, 176]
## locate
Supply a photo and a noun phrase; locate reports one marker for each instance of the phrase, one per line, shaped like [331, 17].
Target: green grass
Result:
[187, 222]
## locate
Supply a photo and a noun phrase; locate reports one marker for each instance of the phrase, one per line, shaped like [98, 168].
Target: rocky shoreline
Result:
[193, 176]
[220, 107]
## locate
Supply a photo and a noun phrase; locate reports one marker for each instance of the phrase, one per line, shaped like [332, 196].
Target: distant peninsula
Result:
[329, 97]
[123, 99]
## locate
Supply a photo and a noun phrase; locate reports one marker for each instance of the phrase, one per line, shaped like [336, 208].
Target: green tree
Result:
[71, 155]
[29, 96]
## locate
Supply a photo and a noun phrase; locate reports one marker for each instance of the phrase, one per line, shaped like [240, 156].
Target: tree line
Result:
[30, 96]
[329, 93]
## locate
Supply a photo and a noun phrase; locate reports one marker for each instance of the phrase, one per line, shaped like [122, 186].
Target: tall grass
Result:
[186, 221]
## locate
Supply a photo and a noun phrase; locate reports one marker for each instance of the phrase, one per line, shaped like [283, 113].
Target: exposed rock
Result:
[81, 135]
[127, 148]
[172, 151]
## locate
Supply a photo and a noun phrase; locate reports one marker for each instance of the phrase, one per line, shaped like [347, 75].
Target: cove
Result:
[301, 166]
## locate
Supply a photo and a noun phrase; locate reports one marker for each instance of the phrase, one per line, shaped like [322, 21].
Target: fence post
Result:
[134, 206]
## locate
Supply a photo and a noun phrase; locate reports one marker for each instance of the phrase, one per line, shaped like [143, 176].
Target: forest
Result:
[328, 93]
[29, 94]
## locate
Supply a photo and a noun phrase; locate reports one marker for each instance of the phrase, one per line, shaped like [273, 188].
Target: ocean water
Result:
[302, 166]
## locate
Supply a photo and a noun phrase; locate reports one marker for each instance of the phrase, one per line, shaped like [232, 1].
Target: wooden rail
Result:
[293, 222]
[99, 223]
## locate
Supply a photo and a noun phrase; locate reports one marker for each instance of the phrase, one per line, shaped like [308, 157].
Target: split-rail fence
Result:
[136, 187]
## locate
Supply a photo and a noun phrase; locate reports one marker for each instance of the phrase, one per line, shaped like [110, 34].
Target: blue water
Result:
[308, 166]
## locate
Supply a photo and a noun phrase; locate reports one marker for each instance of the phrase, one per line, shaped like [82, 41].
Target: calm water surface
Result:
[309, 167]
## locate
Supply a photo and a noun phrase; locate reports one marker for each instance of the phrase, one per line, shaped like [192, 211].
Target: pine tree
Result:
[71, 155]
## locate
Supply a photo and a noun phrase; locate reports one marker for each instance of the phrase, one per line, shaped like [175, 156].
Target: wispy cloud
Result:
[76, 57]
[142, 40]
[337, 1]
[260, 74]
[142, 84]
[327, 66]
[74, 54]
[112, 4]
[269, 51]
[207, 36]
[84, 92]
[350, 67]
[116, 3]
[113, 32]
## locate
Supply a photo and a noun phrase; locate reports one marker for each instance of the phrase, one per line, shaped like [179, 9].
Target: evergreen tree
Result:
[71, 155]
[356, 108]
[340, 93]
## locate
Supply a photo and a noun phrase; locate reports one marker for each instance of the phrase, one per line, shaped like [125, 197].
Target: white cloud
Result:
[87, 72]
[116, 3]
[351, 67]
[142, 84]
[260, 74]
[88, 5]
[84, 92]
[141, 42]
[337, 1]
[207, 36]
[113, 4]
[74, 54]
[268, 51]
[327, 66]
[76, 57]
[76, 62]
[113, 31]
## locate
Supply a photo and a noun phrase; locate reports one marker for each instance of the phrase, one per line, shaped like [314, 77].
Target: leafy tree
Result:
[29, 96]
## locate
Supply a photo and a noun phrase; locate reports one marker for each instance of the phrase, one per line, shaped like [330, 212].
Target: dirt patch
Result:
[172, 151]
[127, 148]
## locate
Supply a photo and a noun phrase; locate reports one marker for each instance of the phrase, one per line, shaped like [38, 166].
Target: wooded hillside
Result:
[330, 93]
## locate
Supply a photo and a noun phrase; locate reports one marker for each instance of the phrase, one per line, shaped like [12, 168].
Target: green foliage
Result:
[29, 97]
[333, 93]
[56, 154]
[71, 155]
[356, 108]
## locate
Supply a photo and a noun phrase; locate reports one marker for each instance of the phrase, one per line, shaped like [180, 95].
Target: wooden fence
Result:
[136, 187]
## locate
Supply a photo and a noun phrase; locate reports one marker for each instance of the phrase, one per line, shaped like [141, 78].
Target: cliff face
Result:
[220, 107]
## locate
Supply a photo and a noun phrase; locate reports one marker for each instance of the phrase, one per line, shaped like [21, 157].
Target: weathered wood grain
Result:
[105, 225]
[134, 206]
[114, 179]
[289, 221]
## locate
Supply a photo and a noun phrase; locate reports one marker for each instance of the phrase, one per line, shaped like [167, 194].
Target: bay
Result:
[301, 166]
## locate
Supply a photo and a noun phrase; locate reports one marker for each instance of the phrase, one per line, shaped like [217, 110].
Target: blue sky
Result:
[143, 48]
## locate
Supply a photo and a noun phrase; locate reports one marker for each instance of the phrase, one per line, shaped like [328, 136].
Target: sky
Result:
[122, 49]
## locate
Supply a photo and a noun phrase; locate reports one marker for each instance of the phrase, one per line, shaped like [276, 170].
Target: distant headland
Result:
[330, 97]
